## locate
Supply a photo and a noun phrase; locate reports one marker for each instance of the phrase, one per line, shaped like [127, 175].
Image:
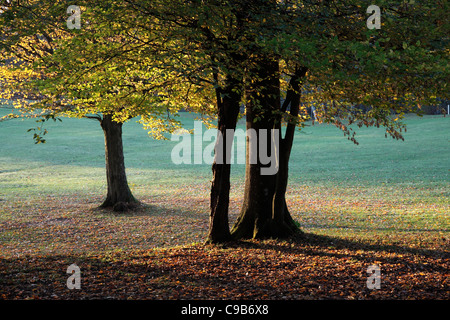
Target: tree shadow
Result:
[141, 210]
[313, 244]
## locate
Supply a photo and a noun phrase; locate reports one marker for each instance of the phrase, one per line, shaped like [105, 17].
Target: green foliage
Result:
[151, 58]
[80, 73]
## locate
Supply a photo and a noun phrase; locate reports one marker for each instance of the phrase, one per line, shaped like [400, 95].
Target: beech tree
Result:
[61, 72]
[202, 46]
[339, 63]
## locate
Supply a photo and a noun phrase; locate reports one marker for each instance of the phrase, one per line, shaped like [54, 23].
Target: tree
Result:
[65, 73]
[342, 65]
[203, 42]
[264, 212]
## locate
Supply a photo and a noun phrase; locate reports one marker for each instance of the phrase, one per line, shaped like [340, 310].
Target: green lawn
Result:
[381, 189]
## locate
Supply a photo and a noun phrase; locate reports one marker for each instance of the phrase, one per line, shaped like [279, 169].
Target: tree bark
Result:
[228, 102]
[264, 212]
[262, 99]
[119, 196]
[282, 222]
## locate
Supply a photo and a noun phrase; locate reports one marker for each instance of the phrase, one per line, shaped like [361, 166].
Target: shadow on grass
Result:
[367, 228]
[141, 210]
[310, 243]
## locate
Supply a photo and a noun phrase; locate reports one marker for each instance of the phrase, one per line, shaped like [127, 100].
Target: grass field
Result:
[383, 201]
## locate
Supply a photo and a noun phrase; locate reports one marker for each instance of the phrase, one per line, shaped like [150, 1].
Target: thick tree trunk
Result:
[264, 213]
[262, 99]
[119, 195]
[254, 219]
[228, 101]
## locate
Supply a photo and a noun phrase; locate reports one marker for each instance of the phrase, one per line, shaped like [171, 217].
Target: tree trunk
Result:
[262, 99]
[264, 213]
[119, 195]
[228, 102]
[283, 224]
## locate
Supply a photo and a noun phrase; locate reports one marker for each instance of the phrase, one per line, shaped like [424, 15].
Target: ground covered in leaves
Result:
[319, 268]
[313, 267]
[157, 251]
